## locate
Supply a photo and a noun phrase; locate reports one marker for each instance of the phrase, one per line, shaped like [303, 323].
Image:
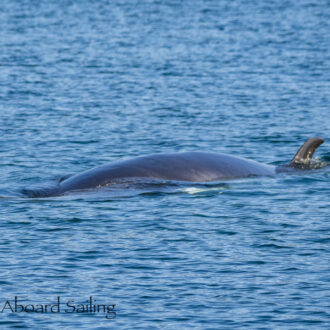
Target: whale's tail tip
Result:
[305, 154]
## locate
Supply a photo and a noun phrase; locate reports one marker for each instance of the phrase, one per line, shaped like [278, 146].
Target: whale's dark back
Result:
[186, 166]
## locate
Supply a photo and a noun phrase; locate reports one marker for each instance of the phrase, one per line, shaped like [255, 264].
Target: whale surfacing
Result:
[185, 166]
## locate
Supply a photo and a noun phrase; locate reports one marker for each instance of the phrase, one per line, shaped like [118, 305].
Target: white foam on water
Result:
[194, 190]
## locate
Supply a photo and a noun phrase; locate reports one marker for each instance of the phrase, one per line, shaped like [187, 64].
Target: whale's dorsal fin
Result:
[306, 151]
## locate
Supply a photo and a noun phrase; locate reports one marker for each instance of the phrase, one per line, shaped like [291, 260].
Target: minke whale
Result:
[193, 166]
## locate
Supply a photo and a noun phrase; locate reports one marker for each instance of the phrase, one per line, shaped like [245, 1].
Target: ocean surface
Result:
[84, 83]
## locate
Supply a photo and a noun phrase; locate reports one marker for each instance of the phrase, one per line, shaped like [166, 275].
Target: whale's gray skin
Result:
[186, 166]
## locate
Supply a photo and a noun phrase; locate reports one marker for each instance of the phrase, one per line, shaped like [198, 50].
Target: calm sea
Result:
[84, 83]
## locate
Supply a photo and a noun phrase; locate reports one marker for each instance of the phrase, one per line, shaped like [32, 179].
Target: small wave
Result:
[39, 192]
[312, 164]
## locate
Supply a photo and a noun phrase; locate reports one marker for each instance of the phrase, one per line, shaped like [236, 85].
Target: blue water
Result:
[85, 83]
